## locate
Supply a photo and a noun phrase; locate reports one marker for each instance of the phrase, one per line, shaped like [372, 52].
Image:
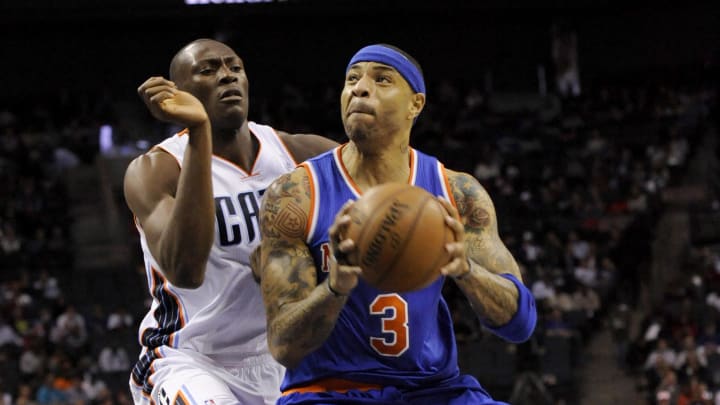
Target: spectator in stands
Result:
[531, 252]
[587, 300]
[692, 367]
[32, 362]
[113, 358]
[119, 319]
[578, 248]
[24, 396]
[5, 395]
[543, 288]
[662, 351]
[586, 273]
[10, 245]
[70, 331]
[668, 388]
[689, 348]
[47, 286]
[695, 392]
[8, 335]
[555, 325]
[95, 389]
[47, 393]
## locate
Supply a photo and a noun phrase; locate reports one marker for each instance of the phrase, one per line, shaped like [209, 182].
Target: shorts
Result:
[461, 390]
[188, 378]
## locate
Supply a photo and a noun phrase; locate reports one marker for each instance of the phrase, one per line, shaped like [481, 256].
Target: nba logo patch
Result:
[209, 402]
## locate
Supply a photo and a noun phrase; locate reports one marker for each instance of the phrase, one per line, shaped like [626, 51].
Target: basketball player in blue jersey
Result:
[196, 199]
[342, 340]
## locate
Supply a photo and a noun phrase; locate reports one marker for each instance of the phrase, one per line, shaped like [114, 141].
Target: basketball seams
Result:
[375, 222]
[421, 279]
[398, 241]
[401, 249]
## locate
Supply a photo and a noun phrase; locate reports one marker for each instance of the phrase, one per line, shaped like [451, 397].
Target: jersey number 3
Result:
[393, 311]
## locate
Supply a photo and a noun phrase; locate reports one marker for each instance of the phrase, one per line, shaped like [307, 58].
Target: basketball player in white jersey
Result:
[196, 199]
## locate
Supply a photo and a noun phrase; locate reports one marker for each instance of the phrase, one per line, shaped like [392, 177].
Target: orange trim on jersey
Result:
[185, 131]
[333, 384]
[182, 396]
[351, 182]
[311, 217]
[181, 313]
[447, 185]
[287, 149]
[412, 167]
[346, 173]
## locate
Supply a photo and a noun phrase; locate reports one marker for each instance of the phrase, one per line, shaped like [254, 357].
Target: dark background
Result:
[108, 48]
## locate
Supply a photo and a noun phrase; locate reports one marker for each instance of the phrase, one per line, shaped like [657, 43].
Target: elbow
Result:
[189, 275]
[285, 356]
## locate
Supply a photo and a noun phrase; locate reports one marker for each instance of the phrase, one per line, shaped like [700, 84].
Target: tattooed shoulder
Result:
[473, 202]
[284, 211]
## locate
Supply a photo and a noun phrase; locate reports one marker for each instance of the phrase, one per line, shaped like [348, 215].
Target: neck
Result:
[236, 145]
[371, 168]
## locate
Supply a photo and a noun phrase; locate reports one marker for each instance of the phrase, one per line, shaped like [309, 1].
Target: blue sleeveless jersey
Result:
[404, 339]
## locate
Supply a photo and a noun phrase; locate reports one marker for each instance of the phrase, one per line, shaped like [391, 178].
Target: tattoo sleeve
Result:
[493, 298]
[300, 314]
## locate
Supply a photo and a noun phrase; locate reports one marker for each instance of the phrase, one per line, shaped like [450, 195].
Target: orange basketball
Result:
[400, 234]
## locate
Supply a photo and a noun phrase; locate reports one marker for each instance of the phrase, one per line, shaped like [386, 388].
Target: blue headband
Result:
[391, 57]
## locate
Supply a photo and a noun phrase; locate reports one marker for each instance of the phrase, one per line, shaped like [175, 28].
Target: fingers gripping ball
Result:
[400, 234]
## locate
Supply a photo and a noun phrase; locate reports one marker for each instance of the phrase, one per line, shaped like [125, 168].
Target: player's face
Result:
[216, 76]
[375, 102]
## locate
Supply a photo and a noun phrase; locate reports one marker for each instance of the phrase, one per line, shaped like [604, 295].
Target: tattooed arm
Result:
[494, 298]
[300, 313]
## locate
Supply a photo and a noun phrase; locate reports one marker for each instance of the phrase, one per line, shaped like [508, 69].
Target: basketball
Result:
[400, 236]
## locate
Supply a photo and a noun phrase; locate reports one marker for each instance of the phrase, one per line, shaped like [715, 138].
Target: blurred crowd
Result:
[677, 349]
[51, 350]
[576, 183]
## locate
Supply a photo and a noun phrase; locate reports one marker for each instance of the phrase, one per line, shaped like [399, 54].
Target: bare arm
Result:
[300, 313]
[175, 207]
[305, 146]
[494, 298]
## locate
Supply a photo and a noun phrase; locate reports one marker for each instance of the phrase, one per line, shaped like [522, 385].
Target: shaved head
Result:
[184, 58]
[213, 73]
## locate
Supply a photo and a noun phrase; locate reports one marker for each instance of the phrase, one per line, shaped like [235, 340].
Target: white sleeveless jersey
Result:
[223, 319]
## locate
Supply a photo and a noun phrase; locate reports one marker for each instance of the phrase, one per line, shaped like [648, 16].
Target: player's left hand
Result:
[459, 265]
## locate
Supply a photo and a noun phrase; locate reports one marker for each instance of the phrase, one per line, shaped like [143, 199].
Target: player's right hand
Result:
[343, 277]
[167, 103]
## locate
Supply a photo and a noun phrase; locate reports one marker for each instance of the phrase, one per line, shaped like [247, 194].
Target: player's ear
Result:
[417, 103]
